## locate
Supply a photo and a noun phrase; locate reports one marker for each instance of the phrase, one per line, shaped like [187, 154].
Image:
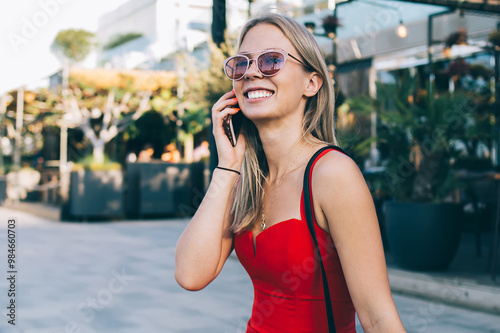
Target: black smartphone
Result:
[232, 126]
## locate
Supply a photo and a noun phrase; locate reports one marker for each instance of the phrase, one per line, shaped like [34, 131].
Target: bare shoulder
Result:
[338, 182]
[336, 167]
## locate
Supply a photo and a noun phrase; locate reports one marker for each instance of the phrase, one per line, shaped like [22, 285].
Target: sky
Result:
[28, 28]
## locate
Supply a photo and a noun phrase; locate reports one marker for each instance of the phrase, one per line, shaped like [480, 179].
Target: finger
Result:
[231, 110]
[225, 112]
[226, 96]
[221, 121]
[219, 106]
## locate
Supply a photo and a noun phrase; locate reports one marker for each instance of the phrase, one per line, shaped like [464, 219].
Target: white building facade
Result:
[165, 27]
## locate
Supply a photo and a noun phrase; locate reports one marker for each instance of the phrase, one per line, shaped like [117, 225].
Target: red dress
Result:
[288, 290]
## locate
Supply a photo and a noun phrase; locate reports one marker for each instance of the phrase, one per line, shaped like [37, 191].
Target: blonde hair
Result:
[318, 119]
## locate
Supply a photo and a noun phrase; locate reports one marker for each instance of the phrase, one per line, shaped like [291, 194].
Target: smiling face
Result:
[266, 97]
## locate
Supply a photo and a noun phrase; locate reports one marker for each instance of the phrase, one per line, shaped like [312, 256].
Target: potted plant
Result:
[96, 190]
[330, 24]
[458, 37]
[494, 38]
[417, 135]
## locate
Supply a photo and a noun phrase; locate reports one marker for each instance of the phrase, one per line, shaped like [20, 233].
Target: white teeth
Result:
[259, 94]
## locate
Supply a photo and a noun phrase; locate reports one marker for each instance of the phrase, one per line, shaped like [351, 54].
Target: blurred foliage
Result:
[207, 86]
[42, 110]
[191, 114]
[157, 127]
[152, 128]
[194, 119]
[74, 44]
[354, 125]
[121, 39]
[88, 163]
[478, 70]
[165, 103]
[494, 38]
[90, 97]
[41, 107]
[458, 37]
[421, 138]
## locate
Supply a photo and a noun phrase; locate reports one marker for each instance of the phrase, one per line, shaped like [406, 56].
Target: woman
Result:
[282, 86]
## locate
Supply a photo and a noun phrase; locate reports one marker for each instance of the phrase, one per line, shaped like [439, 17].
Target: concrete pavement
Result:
[118, 277]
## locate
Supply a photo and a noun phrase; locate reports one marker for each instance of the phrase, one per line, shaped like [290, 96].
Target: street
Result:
[119, 277]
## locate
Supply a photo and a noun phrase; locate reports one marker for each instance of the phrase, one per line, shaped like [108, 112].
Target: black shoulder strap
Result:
[309, 217]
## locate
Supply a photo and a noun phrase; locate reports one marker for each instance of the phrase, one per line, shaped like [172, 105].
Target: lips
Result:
[255, 93]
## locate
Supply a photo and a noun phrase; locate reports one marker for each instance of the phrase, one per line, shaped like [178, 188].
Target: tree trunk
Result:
[98, 152]
[425, 180]
[188, 148]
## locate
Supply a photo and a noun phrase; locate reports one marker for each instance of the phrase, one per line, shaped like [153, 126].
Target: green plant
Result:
[418, 136]
[195, 119]
[75, 44]
[494, 38]
[479, 70]
[458, 37]
[354, 127]
[206, 86]
[88, 163]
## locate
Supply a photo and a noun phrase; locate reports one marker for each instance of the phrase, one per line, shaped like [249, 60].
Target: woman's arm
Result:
[343, 204]
[207, 241]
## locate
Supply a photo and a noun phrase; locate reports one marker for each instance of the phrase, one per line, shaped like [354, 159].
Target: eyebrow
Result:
[271, 48]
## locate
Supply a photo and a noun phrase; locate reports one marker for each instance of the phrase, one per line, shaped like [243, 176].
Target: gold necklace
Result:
[263, 217]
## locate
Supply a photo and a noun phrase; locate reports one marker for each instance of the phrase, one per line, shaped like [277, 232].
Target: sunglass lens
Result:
[236, 67]
[270, 63]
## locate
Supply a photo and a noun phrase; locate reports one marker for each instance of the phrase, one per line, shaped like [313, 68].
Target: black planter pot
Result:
[97, 193]
[162, 188]
[423, 236]
[3, 189]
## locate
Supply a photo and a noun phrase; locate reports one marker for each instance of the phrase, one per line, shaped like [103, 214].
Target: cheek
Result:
[294, 82]
[238, 89]
[292, 88]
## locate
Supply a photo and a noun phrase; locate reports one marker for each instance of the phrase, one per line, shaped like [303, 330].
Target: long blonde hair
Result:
[318, 119]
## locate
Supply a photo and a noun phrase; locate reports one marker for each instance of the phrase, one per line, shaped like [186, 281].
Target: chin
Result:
[252, 112]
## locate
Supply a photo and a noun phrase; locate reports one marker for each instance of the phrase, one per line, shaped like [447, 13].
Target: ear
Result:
[313, 84]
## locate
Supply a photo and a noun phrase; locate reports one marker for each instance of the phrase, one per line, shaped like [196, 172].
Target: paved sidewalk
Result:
[118, 277]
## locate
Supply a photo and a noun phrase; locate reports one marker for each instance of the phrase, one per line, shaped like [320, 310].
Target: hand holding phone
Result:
[232, 126]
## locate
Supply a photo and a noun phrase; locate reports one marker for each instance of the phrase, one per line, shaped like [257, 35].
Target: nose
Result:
[252, 71]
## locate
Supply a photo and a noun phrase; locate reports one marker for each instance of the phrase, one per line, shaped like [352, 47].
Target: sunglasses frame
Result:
[260, 53]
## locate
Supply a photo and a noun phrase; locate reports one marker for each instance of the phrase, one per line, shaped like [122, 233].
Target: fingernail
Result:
[237, 109]
[235, 99]
[232, 90]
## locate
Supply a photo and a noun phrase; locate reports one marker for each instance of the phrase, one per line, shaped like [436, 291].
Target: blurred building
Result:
[143, 33]
[147, 34]
[369, 48]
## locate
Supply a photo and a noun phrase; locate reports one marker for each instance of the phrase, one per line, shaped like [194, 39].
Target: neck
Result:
[281, 145]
